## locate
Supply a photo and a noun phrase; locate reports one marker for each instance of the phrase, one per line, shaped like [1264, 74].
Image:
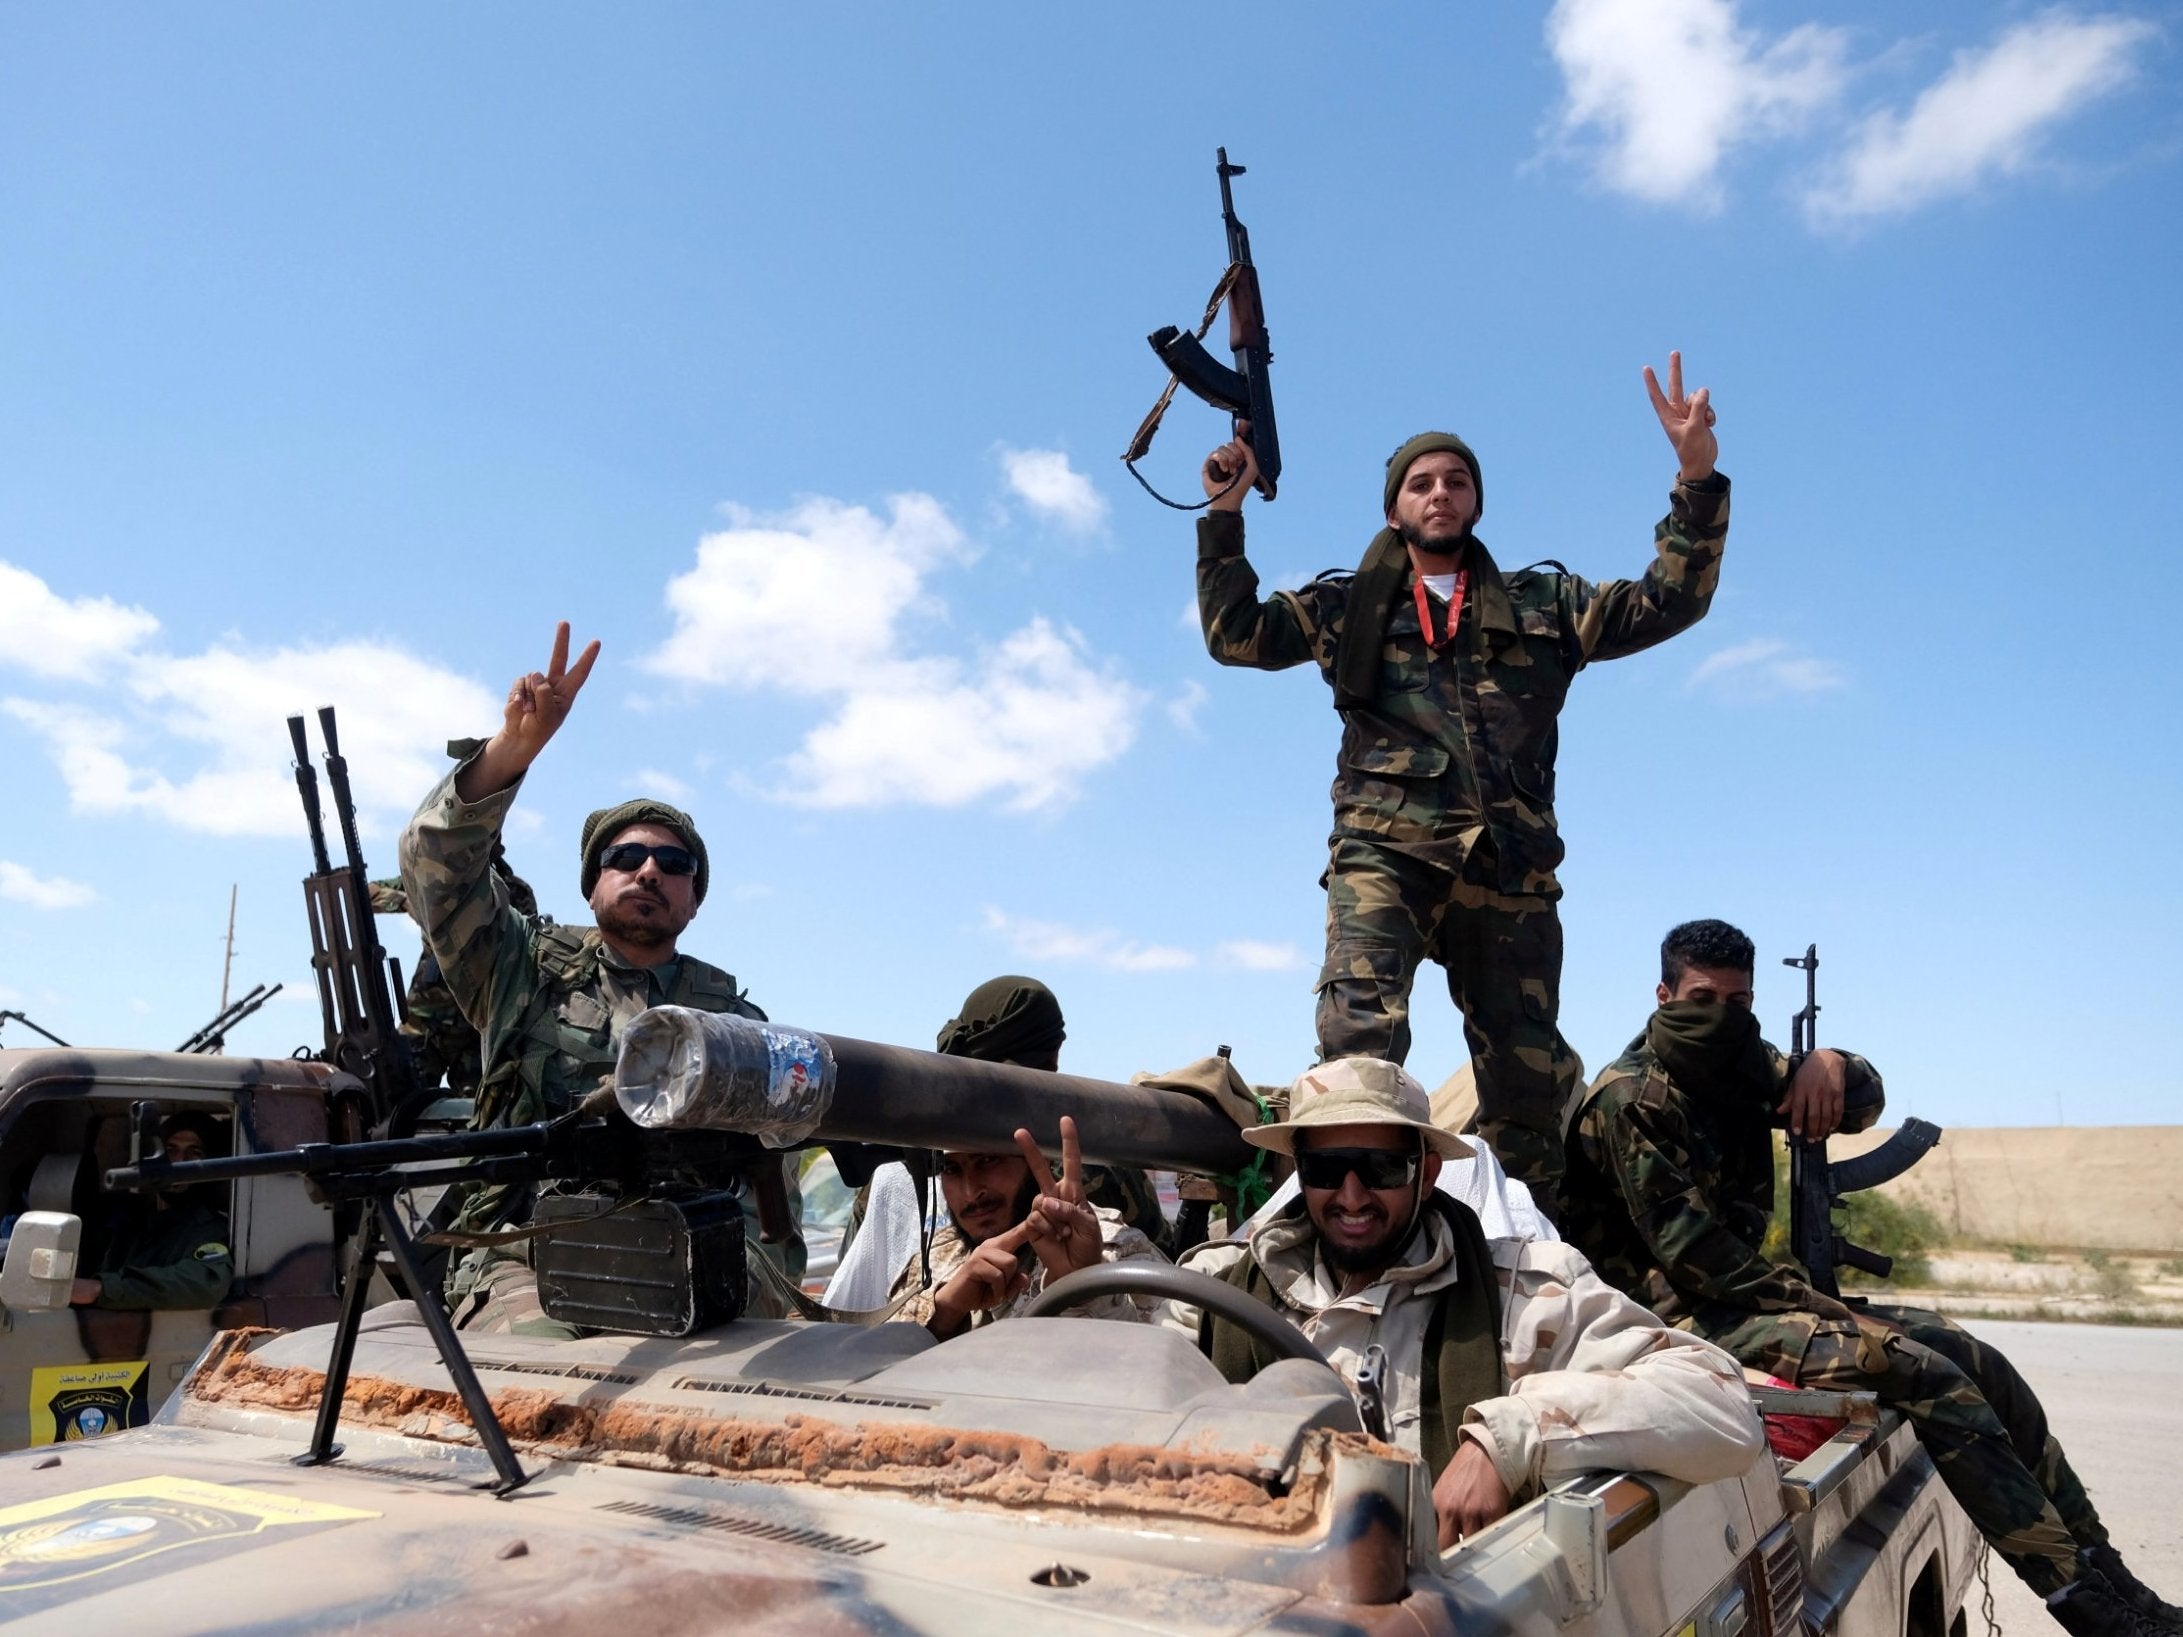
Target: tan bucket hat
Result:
[1358, 1091]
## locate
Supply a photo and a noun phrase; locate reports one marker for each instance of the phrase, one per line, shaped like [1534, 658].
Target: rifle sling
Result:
[1147, 429]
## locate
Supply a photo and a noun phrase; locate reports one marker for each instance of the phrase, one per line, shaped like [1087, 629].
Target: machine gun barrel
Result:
[684, 1070]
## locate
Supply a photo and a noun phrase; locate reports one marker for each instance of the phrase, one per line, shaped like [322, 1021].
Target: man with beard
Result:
[550, 1002]
[1670, 1187]
[1013, 1228]
[1449, 676]
[1009, 1019]
[168, 1249]
[1504, 1363]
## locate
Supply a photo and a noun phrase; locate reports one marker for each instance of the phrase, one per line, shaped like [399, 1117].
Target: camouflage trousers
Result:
[1978, 1419]
[1386, 914]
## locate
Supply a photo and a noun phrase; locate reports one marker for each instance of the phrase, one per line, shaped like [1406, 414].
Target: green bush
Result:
[1908, 1233]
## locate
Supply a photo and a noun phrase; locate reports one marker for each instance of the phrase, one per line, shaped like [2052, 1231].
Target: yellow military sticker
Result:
[141, 1527]
[212, 1252]
[72, 1401]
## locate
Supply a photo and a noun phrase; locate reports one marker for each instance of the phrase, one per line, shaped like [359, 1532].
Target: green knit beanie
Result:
[608, 822]
[1426, 443]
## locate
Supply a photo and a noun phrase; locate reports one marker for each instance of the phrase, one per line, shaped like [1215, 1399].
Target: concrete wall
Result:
[2114, 1188]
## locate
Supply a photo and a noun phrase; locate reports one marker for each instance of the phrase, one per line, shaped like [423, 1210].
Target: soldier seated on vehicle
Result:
[1505, 1364]
[1012, 1229]
[169, 1249]
[1013, 1020]
[1669, 1188]
[550, 1003]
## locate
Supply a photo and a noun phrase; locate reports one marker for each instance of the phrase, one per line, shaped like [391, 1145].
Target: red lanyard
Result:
[1425, 609]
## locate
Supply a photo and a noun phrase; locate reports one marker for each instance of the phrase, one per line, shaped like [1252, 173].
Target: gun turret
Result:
[212, 1037]
[356, 1001]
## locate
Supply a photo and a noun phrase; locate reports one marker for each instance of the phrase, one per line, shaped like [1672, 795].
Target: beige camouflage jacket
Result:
[1123, 1243]
[1593, 1380]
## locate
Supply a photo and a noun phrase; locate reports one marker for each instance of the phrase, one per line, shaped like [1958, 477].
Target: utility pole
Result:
[227, 967]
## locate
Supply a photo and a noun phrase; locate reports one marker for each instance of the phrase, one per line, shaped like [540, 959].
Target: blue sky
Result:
[790, 353]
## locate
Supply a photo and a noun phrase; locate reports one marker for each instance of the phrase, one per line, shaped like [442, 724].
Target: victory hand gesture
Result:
[537, 706]
[1688, 422]
[1064, 1229]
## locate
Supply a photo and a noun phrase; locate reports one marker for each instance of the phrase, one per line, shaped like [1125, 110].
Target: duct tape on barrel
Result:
[685, 1070]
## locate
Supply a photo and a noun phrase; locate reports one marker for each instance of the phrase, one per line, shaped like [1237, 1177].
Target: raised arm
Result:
[1286, 629]
[1622, 617]
[481, 941]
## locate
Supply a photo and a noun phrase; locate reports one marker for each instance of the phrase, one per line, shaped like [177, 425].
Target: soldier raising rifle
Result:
[1449, 675]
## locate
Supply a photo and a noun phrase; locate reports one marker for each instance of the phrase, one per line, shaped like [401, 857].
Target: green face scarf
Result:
[1714, 1052]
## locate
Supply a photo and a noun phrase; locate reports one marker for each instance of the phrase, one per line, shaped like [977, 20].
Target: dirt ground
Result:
[2026, 1282]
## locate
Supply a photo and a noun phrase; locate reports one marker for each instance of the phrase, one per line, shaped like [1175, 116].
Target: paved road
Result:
[2114, 1397]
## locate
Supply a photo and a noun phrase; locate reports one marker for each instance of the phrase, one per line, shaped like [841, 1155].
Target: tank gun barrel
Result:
[683, 1069]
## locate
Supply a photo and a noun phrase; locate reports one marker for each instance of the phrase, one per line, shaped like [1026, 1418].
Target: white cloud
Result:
[25, 886]
[1044, 480]
[1032, 940]
[1253, 955]
[1183, 709]
[1662, 89]
[1051, 941]
[653, 782]
[815, 602]
[1986, 116]
[1767, 665]
[60, 637]
[200, 740]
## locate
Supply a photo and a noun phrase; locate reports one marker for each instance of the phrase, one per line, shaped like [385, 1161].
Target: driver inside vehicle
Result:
[1505, 1364]
[1013, 1227]
[169, 1249]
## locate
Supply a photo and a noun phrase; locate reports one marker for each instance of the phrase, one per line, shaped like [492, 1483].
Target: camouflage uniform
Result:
[442, 1044]
[550, 1003]
[1444, 842]
[1121, 1243]
[1669, 1195]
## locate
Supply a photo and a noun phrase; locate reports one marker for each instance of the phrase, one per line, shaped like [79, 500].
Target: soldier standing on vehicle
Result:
[1669, 1190]
[168, 1250]
[1449, 676]
[550, 1002]
[1013, 1228]
[1505, 1364]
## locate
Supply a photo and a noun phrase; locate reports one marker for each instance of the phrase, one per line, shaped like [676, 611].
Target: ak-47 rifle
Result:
[1816, 1186]
[1246, 391]
[212, 1037]
[357, 1002]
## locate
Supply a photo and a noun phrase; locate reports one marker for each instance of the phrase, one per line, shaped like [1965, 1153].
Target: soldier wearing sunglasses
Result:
[1506, 1364]
[550, 1002]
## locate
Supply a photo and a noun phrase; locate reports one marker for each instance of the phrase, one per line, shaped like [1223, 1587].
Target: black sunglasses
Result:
[629, 857]
[1328, 1168]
